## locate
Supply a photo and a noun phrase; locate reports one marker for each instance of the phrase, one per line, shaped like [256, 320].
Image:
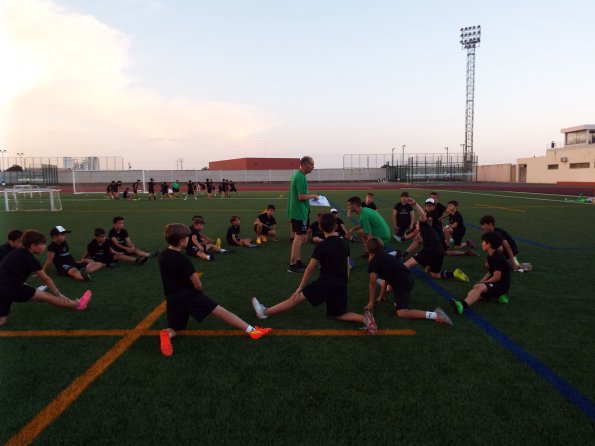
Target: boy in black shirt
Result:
[190, 190]
[432, 254]
[394, 274]
[14, 242]
[496, 283]
[182, 288]
[369, 202]
[15, 269]
[403, 217]
[121, 241]
[331, 286]
[456, 230]
[265, 225]
[152, 185]
[100, 250]
[509, 247]
[341, 228]
[59, 255]
[233, 234]
[315, 231]
[135, 187]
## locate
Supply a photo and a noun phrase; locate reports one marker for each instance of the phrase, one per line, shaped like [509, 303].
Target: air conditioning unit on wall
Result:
[564, 159]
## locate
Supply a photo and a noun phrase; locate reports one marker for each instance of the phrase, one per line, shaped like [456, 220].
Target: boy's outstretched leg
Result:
[233, 320]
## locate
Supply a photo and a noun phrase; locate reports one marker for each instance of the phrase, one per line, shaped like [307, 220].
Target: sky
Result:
[155, 81]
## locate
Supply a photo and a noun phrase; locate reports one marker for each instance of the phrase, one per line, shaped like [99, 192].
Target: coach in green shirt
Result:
[371, 223]
[298, 210]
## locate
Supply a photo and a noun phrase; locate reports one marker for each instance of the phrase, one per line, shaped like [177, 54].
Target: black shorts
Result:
[300, 227]
[402, 227]
[192, 250]
[335, 297]
[63, 269]
[187, 303]
[495, 290]
[430, 257]
[265, 229]
[402, 294]
[457, 236]
[20, 293]
[109, 258]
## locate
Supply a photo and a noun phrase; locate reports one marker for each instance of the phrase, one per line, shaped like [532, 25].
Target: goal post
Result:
[32, 199]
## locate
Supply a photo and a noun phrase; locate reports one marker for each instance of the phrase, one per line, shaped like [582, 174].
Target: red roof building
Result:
[256, 164]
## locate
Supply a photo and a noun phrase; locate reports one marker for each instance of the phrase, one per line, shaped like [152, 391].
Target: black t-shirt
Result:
[190, 187]
[506, 236]
[340, 230]
[195, 232]
[100, 253]
[440, 209]
[119, 236]
[176, 270]
[16, 267]
[371, 205]
[233, 233]
[497, 262]
[316, 230]
[430, 237]
[457, 218]
[403, 213]
[332, 254]
[390, 269]
[4, 250]
[135, 187]
[61, 252]
[164, 188]
[267, 221]
[151, 187]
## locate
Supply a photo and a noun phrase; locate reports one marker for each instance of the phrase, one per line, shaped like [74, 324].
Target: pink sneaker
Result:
[84, 300]
[370, 323]
[166, 348]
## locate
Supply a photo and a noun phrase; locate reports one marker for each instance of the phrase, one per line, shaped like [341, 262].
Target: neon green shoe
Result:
[460, 275]
[503, 299]
[457, 305]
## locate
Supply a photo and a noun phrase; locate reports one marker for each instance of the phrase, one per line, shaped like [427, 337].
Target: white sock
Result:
[249, 329]
[209, 258]
[431, 315]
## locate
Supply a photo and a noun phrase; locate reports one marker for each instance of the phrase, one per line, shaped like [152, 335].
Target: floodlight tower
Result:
[470, 38]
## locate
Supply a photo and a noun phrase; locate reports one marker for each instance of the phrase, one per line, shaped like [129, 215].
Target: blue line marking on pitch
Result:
[520, 239]
[563, 387]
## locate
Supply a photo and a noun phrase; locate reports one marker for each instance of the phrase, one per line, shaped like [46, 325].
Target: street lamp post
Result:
[392, 157]
[446, 148]
[2, 152]
[403, 154]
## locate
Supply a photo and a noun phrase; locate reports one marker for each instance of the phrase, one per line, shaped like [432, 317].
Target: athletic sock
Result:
[249, 329]
[446, 274]
[431, 315]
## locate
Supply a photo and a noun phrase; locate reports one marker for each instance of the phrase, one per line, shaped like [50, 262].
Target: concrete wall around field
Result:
[575, 164]
[497, 173]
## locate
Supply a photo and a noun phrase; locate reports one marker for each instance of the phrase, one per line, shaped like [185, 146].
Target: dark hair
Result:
[328, 222]
[435, 193]
[14, 235]
[404, 194]
[493, 239]
[117, 219]
[31, 237]
[374, 245]
[271, 206]
[371, 194]
[355, 200]
[487, 220]
[454, 202]
[198, 220]
[99, 231]
[233, 217]
[176, 232]
[306, 159]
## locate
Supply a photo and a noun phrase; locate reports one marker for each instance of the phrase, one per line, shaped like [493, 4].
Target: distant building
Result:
[573, 163]
[255, 164]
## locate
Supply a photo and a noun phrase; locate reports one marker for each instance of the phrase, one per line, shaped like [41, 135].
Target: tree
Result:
[15, 168]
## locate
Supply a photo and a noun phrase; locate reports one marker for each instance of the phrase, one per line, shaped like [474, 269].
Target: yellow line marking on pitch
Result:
[498, 207]
[202, 333]
[52, 411]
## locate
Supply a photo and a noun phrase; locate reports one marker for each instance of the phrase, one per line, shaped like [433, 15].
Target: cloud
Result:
[65, 91]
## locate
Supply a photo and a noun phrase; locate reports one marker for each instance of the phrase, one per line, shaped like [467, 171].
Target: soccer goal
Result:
[32, 199]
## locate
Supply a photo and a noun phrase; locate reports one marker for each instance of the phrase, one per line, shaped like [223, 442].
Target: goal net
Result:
[32, 199]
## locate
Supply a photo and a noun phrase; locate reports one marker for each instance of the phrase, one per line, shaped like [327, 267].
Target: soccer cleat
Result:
[84, 300]
[457, 305]
[154, 253]
[43, 288]
[370, 323]
[211, 257]
[218, 243]
[252, 245]
[141, 260]
[503, 299]
[471, 244]
[296, 268]
[460, 275]
[258, 308]
[165, 340]
[397, 238]
[259, 332]
[442, 317]
[471, 253]
[263, 238]
[86, 275]
[258, 240]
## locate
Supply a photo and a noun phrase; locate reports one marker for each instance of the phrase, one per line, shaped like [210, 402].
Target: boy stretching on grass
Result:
[233, 235]
[496, 283]
[509, 247]
[183, 294]
[59, 255]
[394, 274]
[17, 266]
[331, 286]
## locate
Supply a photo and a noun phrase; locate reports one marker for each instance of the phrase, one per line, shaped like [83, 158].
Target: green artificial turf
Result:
[442, 385]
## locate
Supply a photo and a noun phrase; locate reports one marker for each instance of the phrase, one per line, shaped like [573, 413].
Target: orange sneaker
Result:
[166, 348]
[258, 332]
[263, 238]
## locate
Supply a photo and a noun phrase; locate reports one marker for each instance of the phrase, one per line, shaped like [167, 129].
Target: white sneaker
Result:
[442, 317]
[42, 288]
[258, 308]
